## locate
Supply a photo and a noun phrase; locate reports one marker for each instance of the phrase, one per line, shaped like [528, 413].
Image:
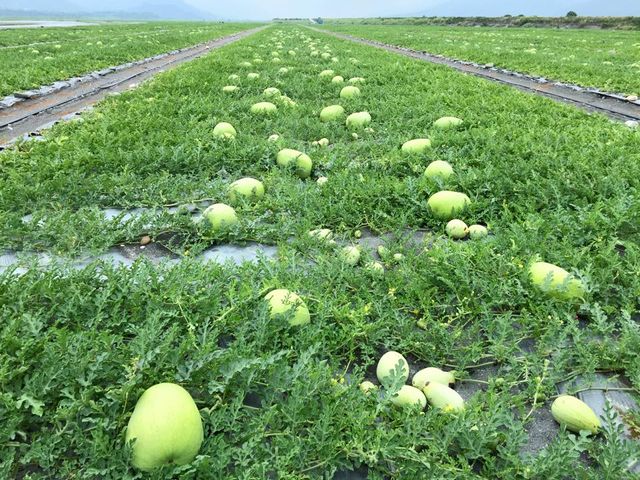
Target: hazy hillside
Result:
[152, 9]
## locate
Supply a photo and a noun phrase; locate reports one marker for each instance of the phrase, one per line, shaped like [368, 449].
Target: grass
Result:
[79, 347]
[592, 58]
[622, 23]
[34, 57]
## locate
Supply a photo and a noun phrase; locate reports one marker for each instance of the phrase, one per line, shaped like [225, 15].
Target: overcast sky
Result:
[326, 8]
[267, 9]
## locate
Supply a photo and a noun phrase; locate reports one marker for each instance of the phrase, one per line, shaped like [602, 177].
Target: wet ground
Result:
[10, 24]
[599, 391]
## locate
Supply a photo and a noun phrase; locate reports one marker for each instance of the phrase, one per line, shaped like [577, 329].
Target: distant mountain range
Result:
[117, 9]
[551, 8]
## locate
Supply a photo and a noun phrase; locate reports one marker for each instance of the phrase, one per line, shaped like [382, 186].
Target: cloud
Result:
[267, 9]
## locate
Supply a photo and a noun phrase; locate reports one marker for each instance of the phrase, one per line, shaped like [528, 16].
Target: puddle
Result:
[25, 261]
[10, 259]
[371, 241]
[133, 213]
[7, 260]
[113, 257]
[126, 215]
[10, 24]
[113, 213]
[238, 255]
[126, 255]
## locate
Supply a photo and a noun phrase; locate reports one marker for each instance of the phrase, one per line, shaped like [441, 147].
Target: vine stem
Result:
[244, 302]
[165, 205]
[539, 383]
[346, 369]
[576, 373]
[316, 465]
[275, 434]
[177, 204]
[478, 365]
[473, 380]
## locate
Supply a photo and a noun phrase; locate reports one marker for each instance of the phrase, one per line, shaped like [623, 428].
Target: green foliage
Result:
[605, 59]
[622, 23]
[34, 57]
[78, 347]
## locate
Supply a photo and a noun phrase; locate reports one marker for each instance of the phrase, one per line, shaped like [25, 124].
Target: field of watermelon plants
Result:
[604, 59]
[34, 57]
[279, 387]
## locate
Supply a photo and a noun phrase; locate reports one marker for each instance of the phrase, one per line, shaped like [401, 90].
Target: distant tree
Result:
[571, 13]
[319, 20]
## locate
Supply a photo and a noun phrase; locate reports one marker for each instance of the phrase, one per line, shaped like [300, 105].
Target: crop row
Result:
[78, 348]
[608, 60]
[31, 58]
[581, 21]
